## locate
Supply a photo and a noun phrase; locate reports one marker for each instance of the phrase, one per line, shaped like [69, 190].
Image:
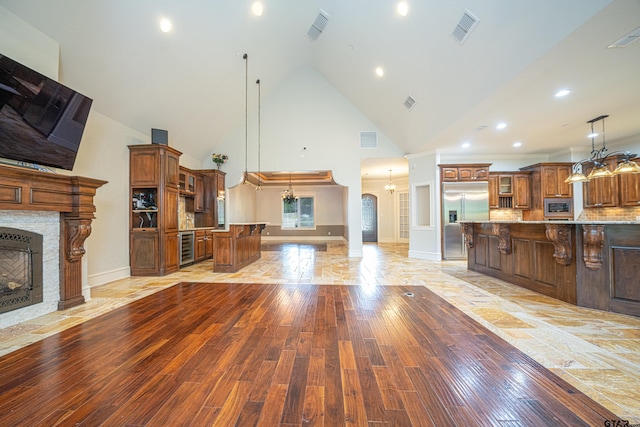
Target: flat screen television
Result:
[41, 120]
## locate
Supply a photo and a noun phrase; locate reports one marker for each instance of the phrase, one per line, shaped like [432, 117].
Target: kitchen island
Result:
[237, 246]
[590, 264]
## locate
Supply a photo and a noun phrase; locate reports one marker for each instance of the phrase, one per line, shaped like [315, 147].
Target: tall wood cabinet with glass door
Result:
[154, 195]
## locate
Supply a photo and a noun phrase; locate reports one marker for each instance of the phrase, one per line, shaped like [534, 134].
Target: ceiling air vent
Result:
[409, 103]
[627, 39]
[318, 25]
[368, 140]
[467, 23]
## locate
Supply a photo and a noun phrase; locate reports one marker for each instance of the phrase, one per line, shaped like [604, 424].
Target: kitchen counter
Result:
[589, 263]
[236, 246]
[549, 222]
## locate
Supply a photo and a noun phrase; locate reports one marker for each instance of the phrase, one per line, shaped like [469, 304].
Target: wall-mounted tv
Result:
[41, 120]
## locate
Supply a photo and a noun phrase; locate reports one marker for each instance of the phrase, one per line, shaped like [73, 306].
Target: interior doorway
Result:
[369, 218]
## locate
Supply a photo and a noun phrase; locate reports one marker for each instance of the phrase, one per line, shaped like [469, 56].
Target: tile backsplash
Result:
[610, 214]
[185, 219]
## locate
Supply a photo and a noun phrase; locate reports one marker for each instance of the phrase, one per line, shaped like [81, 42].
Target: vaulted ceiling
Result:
[191, 79]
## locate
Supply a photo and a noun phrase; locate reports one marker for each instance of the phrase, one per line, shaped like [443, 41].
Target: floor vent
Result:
[409, 103]
[318, 25]
[627, 39]
[467, 23]
[368, 140]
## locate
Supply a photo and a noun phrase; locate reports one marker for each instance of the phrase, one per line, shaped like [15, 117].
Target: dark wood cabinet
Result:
[553, 184]
[236, 247]
[600, 192]
[204, 245]
[494, 196]
[465, 172]
[213, 190]
[546, 181]
[509, 190]
[521, 191]
[187, 181]
[198, 204]
[154, 194]
[630, 189]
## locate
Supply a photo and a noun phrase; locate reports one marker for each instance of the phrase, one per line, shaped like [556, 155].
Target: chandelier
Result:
[390, 187]
[287, 195]
[599, 159]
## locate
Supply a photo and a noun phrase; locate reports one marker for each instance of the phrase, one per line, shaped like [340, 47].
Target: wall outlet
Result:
[267, 233]
[329, 233]
[638, 218]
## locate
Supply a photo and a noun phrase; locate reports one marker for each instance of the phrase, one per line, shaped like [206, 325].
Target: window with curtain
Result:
[299, 214]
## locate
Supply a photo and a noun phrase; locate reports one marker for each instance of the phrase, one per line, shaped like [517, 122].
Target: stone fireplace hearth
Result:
[20, 268]
[63, 205]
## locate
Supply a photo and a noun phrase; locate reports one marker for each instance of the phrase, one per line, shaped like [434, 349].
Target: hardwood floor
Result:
[287, 355]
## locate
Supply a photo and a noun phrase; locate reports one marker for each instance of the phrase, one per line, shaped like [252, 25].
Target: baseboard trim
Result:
[301, 238]
[429, 256]
[108, 276]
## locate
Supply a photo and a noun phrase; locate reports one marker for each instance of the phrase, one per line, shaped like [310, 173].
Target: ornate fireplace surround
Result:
[72, 196]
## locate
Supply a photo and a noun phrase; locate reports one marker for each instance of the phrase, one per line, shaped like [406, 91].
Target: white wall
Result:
[424, 242]
[328, 204]
[306, 111]
[23, 43]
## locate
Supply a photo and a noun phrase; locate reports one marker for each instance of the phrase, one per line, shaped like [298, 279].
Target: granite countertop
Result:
[196, 228]
[552, 222]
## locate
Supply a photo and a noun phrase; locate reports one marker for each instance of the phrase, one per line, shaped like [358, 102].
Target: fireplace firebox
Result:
[20, 268]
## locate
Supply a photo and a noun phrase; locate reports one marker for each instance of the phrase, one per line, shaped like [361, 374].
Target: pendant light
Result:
[245, 176]
[599, 159]
[287, 195]
[259, 186]
[390, 187]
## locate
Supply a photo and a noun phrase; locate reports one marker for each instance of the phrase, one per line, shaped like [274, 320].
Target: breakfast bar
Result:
[237, 246]
[590, 264]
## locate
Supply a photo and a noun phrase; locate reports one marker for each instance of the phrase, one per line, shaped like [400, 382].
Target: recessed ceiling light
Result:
[517, 144]
[402, 8]
[466, 145]
[257, 8]
[165, 25]
[501, 125]
[379, 71]
[562, 92]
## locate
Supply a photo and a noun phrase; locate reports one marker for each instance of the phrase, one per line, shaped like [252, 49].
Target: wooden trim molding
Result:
[72, 196]
[467, 230]
[503, 231]
[592, 246]
[560, 236]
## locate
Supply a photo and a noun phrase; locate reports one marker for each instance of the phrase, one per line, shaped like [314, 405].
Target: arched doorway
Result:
[369, 218]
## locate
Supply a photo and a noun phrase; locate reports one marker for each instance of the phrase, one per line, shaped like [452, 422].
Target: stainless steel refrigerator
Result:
[461, 201]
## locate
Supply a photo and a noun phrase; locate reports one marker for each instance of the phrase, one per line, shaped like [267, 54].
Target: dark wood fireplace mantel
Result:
[72, 196]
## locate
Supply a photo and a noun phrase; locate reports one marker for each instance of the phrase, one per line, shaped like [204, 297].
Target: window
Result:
[300, 213]
[403, 215]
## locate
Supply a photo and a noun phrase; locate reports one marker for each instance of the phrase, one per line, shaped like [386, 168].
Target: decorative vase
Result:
[218, 165]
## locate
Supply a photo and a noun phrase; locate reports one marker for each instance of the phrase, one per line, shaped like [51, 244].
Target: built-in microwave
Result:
[558, 208]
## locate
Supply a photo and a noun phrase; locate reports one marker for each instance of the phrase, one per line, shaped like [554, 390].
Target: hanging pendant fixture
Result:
[600, 159]
[259, 186]
[287, 195]
[390, 187]
[245, 176]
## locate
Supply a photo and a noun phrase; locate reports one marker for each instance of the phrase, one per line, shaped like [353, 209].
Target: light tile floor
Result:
[597, 352]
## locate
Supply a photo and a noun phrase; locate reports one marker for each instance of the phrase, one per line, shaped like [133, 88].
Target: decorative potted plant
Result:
[219, 159]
